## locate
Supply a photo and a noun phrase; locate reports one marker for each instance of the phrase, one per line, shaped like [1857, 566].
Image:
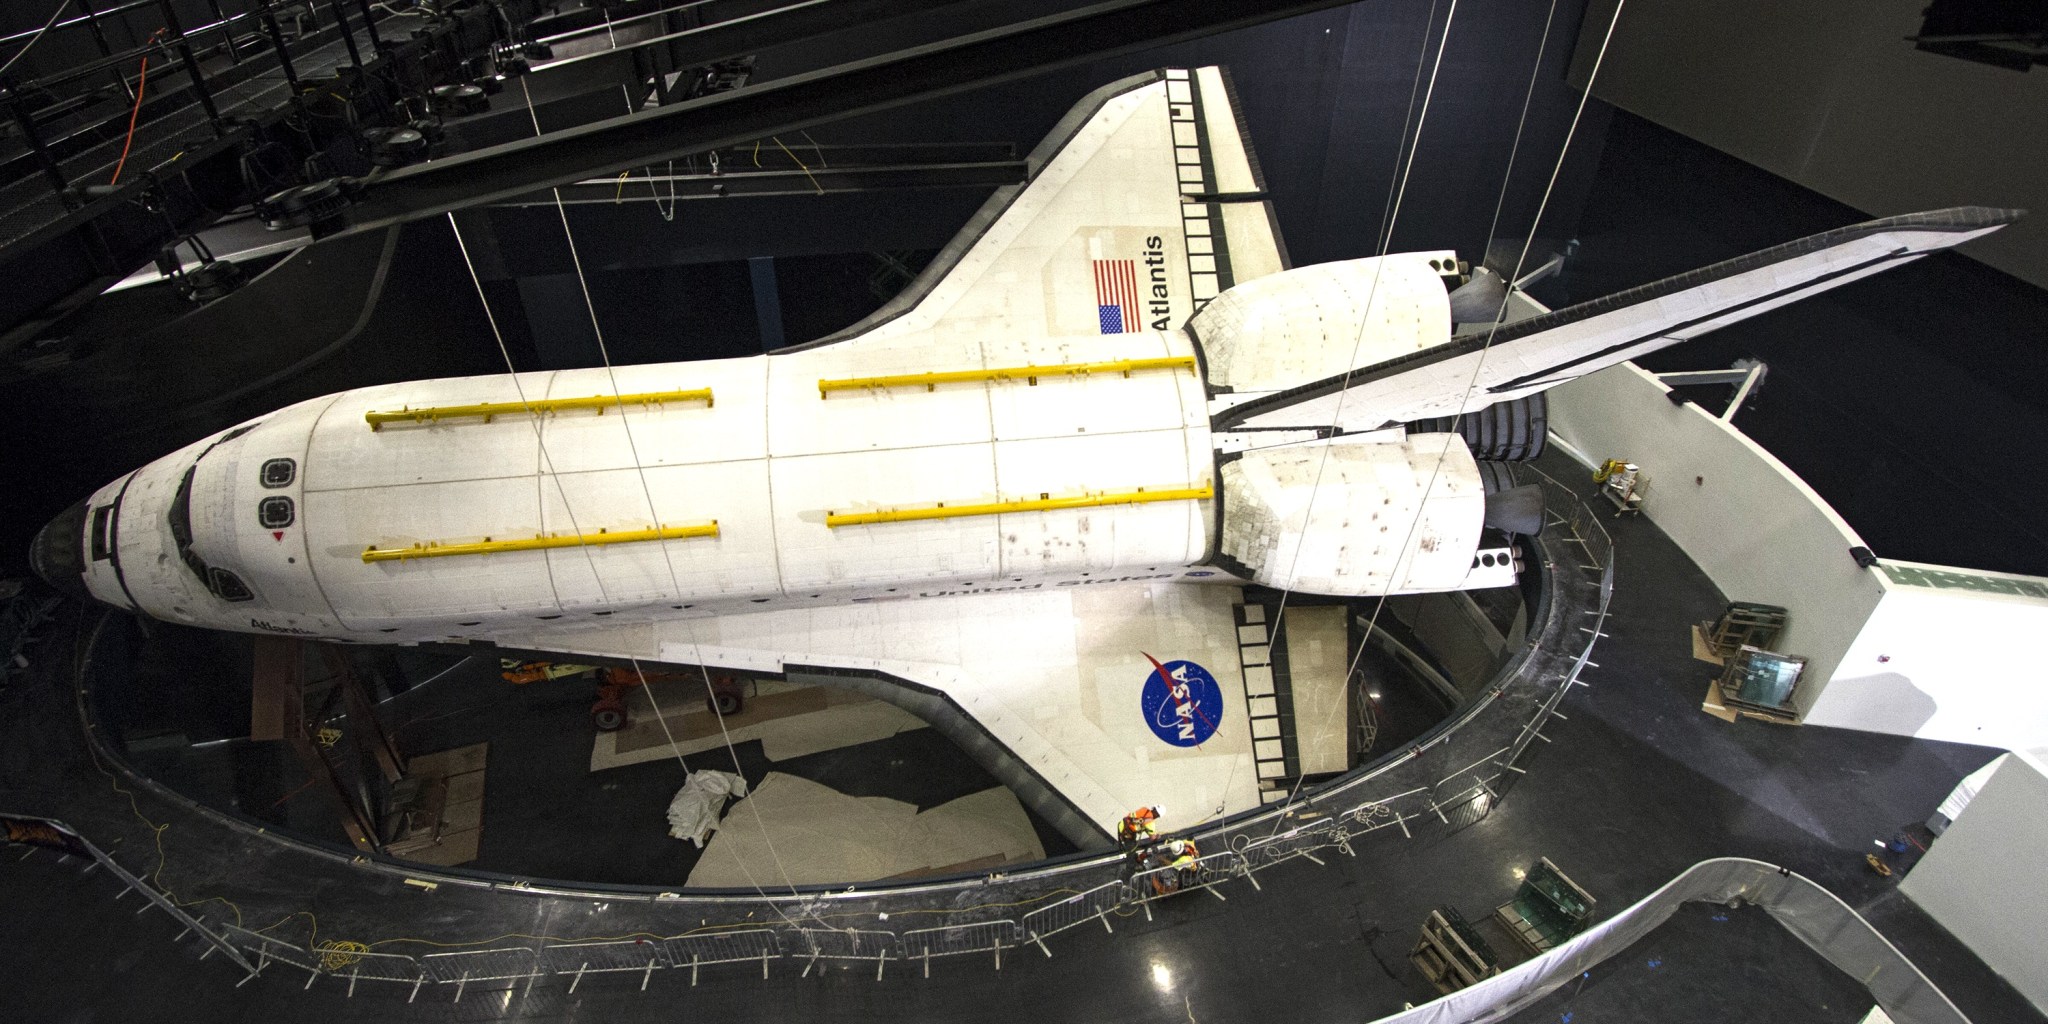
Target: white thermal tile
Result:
[1136, 535]
[1097, 403]
[1254, 250]
[1258, 680]
[740, 561]
[802, 423]
[340, 524]
[345, 453]
[814, 555]
[732, 427]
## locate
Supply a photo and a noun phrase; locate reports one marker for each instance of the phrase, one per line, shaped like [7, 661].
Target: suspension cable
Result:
[1479, 364]
[639, 467]
[640, 470]
[548, 470]
[1399, 194]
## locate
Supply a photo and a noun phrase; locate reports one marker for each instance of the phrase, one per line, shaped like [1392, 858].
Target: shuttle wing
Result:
[1527, 356]
[1041, 682]
[1142, 204]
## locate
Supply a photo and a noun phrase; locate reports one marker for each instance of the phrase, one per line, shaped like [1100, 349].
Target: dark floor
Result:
[1724, 966]
[546, 815]
[1406, 708]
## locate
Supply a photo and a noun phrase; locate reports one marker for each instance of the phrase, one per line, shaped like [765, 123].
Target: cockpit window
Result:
[275, 512]
[227, 586]
[219, 581]
[102, 533]
[279, 473]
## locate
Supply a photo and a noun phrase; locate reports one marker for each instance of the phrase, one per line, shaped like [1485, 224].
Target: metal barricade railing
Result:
[1570, 511]
[744, 946]
[265, 950]
[355, 962]
[846, 944]
[1374, 815]
[1265, 851]
[980, 937]
[1222, 865]
[349, 961]
[462, 967]
[643, 956]
[1206, 873]
[39, 833]
[1082, 907]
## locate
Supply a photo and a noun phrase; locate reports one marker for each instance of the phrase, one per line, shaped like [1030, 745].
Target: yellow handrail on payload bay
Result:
[1042, 503]
[434, 413]
[1030, 374]
[488, 546]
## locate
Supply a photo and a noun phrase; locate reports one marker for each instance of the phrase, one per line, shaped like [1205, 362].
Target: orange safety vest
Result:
[1137, 823]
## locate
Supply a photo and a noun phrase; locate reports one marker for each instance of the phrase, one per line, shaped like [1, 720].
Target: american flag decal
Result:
[1116, 295]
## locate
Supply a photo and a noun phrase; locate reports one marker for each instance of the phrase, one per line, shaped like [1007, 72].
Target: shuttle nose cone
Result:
[58, 555]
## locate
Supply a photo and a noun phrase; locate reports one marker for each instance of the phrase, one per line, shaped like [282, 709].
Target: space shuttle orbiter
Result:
[1047, 407]
[1111, 375]
[1108, 377]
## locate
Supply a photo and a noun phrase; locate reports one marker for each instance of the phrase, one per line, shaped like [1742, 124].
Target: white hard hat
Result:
[1159, 809]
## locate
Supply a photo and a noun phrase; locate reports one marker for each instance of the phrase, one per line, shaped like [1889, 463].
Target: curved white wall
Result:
[1908, 649]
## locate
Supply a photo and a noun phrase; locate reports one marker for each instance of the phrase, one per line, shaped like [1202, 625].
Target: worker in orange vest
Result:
[1137, 830]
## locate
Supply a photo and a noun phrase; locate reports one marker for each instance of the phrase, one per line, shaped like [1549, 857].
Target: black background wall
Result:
[1912, 401]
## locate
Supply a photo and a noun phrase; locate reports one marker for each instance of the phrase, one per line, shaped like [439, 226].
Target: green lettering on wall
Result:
[1948, 579]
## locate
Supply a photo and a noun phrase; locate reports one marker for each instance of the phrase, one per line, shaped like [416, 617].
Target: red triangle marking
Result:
[279, 534]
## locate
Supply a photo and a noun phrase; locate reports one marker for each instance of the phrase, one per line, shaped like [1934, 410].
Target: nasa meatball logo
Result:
[1181, 702]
